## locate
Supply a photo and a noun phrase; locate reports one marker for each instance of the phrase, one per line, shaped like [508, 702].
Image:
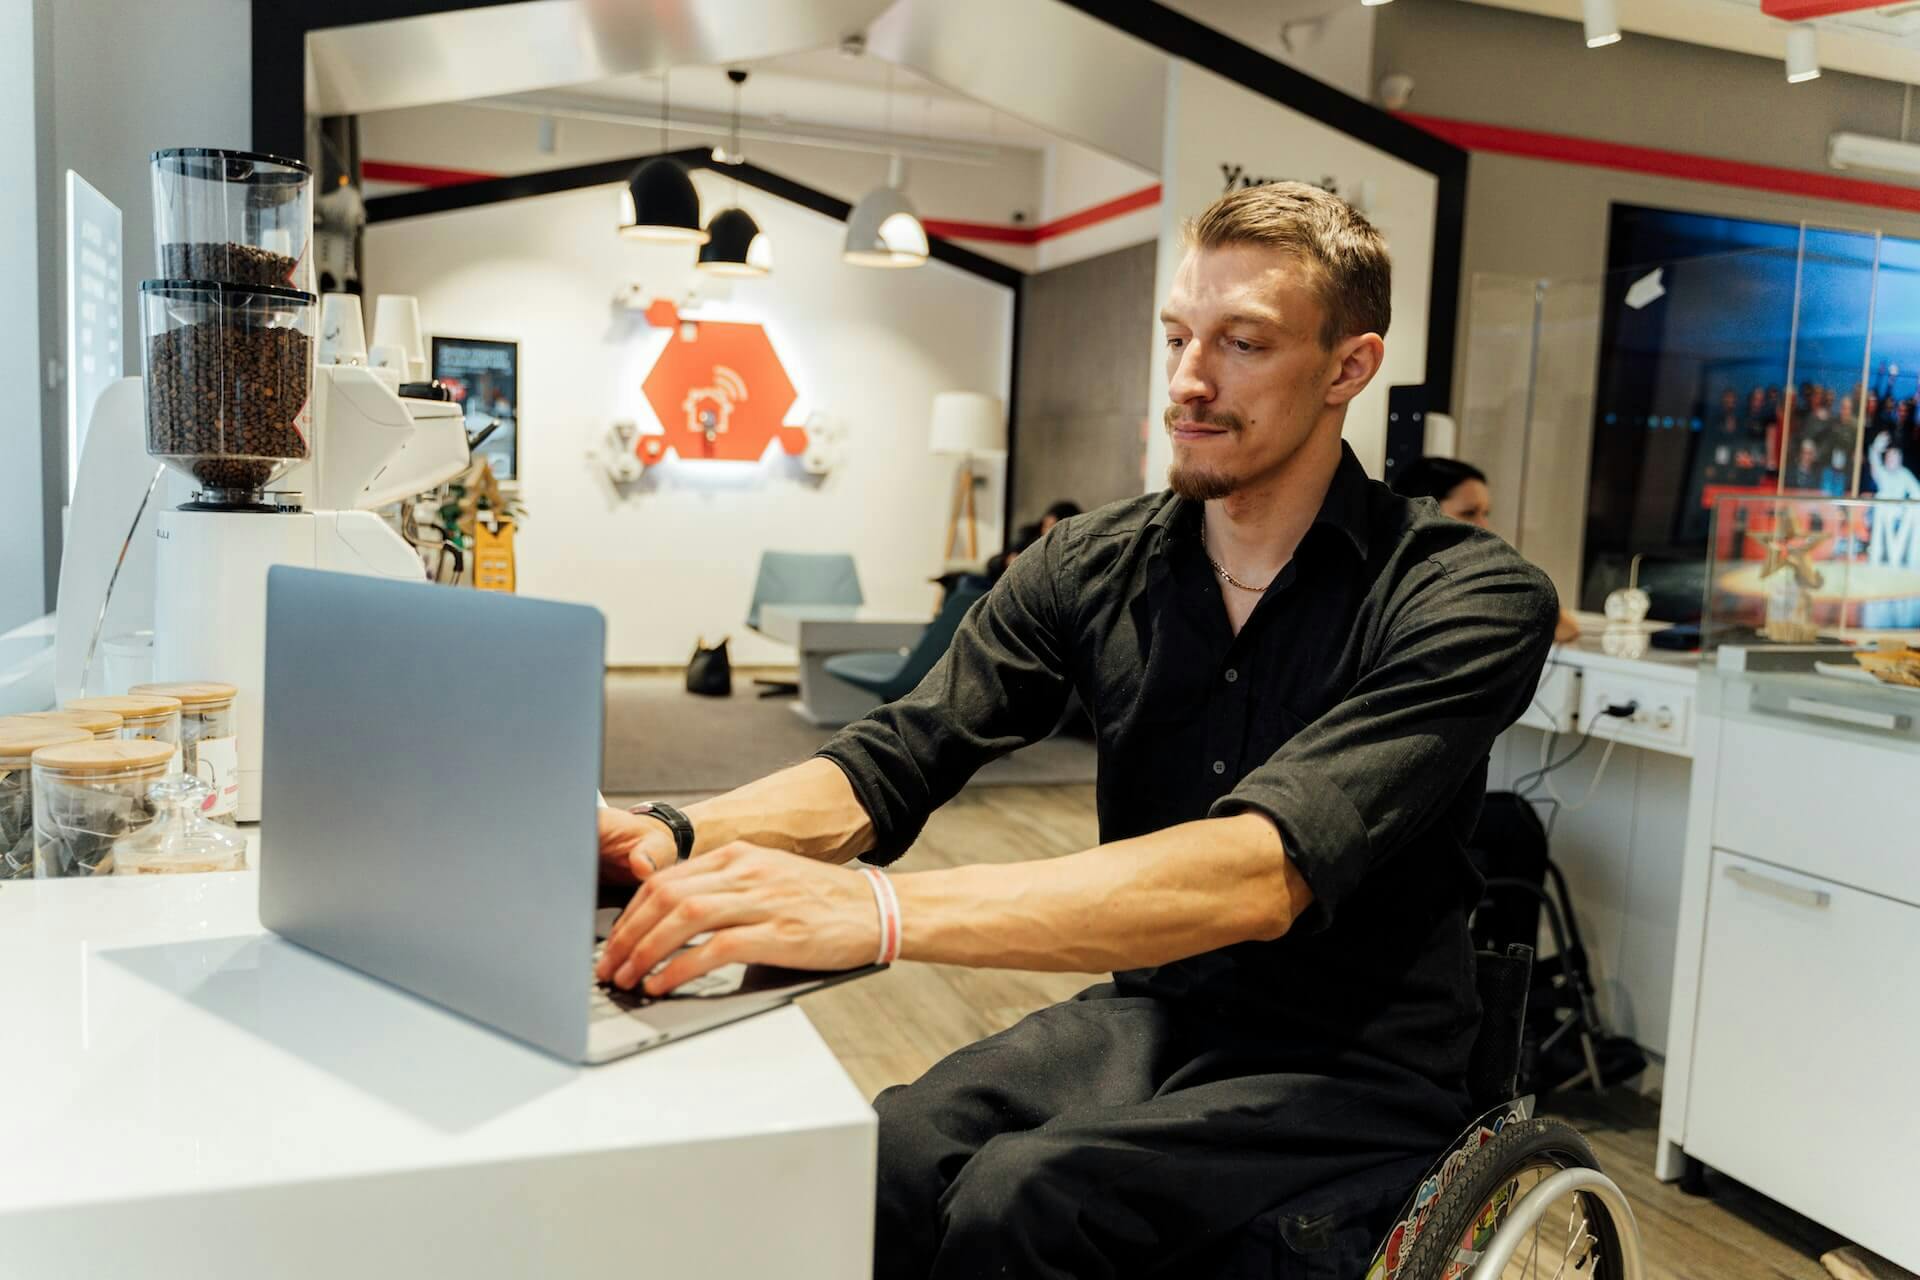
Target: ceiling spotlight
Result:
[1602, 22]
[1374, 4]
[1803, 54]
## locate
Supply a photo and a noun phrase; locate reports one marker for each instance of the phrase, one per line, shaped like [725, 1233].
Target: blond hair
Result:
[1352, 274]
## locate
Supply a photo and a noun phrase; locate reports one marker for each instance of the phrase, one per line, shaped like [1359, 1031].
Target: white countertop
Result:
[159, 1044]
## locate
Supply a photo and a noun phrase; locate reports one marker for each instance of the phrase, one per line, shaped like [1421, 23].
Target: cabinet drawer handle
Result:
[1849, 715]
[1779, 888]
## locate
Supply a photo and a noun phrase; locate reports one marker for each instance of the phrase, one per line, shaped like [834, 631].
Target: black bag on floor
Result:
[709, 673]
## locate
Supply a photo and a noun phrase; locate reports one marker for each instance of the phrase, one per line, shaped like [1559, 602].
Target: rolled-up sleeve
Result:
[1460, 662]
[1002, 684]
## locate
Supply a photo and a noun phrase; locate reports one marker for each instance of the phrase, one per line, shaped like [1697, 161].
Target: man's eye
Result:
[1242, 345]
[1173, 341]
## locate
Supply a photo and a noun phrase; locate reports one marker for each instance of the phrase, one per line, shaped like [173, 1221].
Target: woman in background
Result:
[1462, 492]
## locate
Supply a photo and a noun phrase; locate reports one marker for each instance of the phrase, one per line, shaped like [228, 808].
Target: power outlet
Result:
[1662, 717]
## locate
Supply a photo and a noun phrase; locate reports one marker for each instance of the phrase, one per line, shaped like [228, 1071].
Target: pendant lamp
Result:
[735, 244]
[884, 230]
[661, 205]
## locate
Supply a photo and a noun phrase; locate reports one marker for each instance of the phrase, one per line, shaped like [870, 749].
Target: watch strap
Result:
[676, 822]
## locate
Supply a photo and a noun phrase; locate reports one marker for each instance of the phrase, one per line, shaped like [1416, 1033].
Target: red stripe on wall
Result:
[1500, 140]
[422, 175]
[1799, 10]
[1119, 206]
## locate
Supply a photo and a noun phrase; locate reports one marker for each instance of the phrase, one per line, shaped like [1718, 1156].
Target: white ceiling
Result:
[1882, 42]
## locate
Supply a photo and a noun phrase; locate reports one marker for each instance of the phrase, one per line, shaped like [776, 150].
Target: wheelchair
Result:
[1514, 1196]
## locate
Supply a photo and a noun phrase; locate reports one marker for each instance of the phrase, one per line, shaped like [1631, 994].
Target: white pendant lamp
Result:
[884, 230]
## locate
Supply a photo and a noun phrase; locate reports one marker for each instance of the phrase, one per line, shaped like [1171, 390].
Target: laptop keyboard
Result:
[604, 1000]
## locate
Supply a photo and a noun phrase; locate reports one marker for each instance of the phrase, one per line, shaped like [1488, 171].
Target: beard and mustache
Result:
[1193, 482]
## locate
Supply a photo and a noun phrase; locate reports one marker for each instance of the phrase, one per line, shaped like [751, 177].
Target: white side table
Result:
[191, 1097]
[819, 632]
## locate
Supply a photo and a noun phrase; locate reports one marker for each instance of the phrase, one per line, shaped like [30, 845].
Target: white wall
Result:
[1213, 121]
[1076, 178]
[22, 582]
[676, 558]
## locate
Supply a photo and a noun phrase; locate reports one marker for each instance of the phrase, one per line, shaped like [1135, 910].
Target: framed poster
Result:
[484, 376]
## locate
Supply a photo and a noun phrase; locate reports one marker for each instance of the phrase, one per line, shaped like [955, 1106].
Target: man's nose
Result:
[1191, 379]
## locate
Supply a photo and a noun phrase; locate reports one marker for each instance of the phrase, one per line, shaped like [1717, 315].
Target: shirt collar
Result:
[1344, 508]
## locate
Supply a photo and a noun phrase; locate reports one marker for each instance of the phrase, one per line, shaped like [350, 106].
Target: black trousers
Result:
[1120, 1135]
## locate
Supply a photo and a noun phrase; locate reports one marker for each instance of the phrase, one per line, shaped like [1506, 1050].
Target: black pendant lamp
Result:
[664, 207]
[735, 244]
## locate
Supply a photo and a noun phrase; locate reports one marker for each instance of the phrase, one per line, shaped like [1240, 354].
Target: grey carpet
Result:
[661, 740]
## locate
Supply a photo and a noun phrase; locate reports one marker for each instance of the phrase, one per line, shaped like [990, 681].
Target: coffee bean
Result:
[229, 263]
[224, 396]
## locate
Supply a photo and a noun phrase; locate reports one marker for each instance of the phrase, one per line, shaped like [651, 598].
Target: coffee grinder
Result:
[232, 404]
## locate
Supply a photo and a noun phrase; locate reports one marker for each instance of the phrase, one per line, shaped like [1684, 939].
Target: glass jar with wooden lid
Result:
[20, 737]
[105, 725]
[209, 747]
[86, 795]
[143, 716]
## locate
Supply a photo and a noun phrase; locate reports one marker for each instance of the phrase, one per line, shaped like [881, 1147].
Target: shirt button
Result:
[1232, 675]
[1219, 766]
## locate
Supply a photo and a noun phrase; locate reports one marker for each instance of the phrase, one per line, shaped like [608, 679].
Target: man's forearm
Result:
[810, 809]
[1131, 904]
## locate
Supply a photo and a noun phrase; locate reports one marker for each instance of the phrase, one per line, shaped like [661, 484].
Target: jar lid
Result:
[127, 706]
[189, 692]
[92, 756]
[20, 737]
[232, 295]
[91, 721]
[226, 165]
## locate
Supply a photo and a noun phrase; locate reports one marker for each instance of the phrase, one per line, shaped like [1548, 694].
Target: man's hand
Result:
[760, 906]
[633, 847]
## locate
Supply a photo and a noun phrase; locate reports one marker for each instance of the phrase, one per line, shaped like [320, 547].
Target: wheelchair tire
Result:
[1541, 1145]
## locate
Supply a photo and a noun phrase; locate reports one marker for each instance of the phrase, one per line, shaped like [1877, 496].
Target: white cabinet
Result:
[1794, 1039]
[1806, 1047]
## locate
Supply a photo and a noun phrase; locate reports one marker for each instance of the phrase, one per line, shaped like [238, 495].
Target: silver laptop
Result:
[430, 763]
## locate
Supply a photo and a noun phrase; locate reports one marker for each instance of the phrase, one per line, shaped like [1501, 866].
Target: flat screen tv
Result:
[1740, 357]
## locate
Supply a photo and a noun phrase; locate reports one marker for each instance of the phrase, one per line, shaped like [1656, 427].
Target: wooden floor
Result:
[890, 1028]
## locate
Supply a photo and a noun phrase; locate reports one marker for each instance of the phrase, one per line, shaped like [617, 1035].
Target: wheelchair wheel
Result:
[1578, 1235]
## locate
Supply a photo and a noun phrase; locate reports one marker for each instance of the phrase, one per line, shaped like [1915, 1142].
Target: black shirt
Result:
[1355, 709]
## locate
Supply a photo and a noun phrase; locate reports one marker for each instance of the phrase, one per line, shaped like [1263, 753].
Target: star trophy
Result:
[1791, 579]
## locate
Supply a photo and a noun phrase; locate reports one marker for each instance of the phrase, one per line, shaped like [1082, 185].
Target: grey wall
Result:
[22, 581]
[124, 80]
[1083, 378]
[1535, 219]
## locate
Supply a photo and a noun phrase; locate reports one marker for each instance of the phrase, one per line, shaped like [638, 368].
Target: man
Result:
[1295, 677]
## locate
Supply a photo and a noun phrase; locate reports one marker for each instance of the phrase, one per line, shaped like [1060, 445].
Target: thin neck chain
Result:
[1222, 569]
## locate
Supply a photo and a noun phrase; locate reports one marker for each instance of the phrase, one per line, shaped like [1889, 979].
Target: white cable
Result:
[1593, 786]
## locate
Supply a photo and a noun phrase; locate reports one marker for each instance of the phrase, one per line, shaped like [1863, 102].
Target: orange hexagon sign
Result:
[719, 391]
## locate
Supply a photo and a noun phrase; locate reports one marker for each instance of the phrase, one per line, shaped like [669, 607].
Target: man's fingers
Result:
[727, 946]
[665, 922]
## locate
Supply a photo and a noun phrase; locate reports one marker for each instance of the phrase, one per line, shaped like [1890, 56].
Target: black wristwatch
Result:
[676, 821]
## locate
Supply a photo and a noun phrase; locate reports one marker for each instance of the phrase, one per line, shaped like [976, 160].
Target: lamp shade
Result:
[884, 231]
[664, 207]
[968, 422]
[735, 246]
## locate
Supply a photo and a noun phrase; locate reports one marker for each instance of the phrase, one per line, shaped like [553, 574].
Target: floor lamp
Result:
[972, 425]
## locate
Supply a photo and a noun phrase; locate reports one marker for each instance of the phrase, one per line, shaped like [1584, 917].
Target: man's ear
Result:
[1357, 360]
